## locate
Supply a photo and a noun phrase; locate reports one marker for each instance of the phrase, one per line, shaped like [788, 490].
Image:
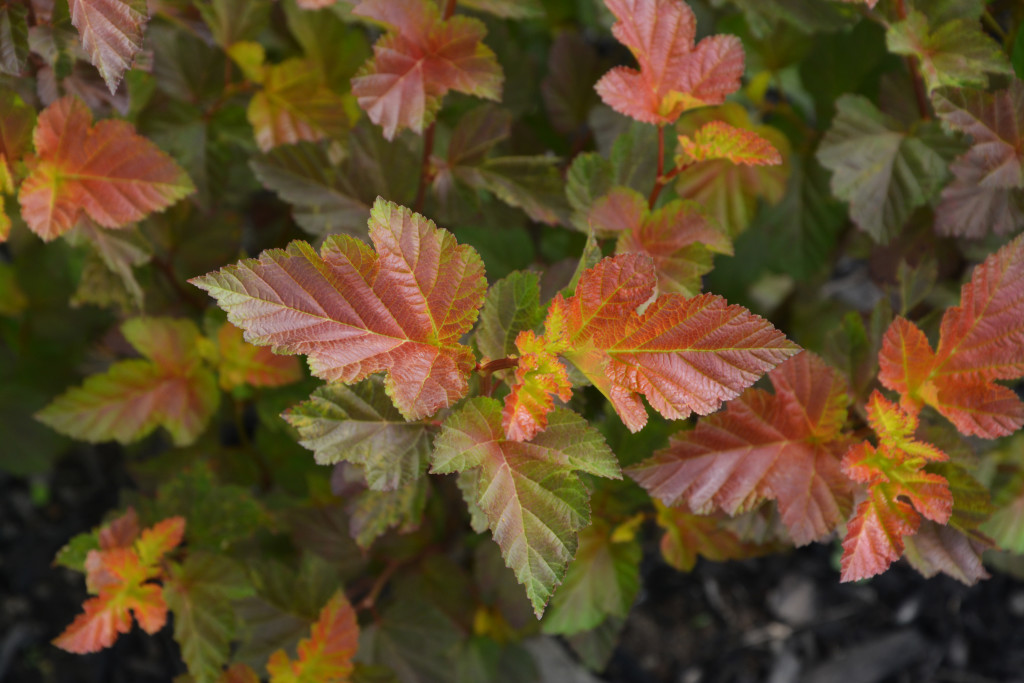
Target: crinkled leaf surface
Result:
[719, 140]
[111, 32]
[784, 447]
[981, 340]
[684, 355]
[987, 192]
[419, 61]
[899, 491]
[105, 170]
[326, 656]
[882, 170]
[355, 312]
[171, 388]
[675, 74]
[534, 501]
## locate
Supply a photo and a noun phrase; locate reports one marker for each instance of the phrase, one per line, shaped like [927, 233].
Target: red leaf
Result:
[326, 656]
[539, 377]
[355, 313]
[981, 340]
[784, 447]
[107, 170]
[419, 61]
[719, 140]
[674, 74]
[111, 32]
[899, 491]
[242, 363]
[987, 193]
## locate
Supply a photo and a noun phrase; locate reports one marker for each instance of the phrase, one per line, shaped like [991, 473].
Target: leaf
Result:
[234, 21]
[105, 170]
[568, 89]
[534, 501]
[14, 48]
[684, 355]
[899, 491]
[675, 75]
[783, 447]
[532, 184]
[326, 656]
[242, 364]
[719, 140]
[601, 581]
[981, 341]
[295, 105]
[419, 61]
[361, 426]
[955, 53]
[936, 548]
[198, 593]
[120, 252]
[508, 9]
[512, 306]
[17, 120]
[119, 576]
[111, 32]
[415, 639]
[729, 193]
[688, 535]
[374, 512]
[987, 192]
[883, 171]
[539, 376]
[678, 236]
[169, 388]
[358, 313]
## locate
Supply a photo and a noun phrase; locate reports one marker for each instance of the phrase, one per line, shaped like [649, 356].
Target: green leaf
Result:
[13, 38]
[1017, 55]
[372, 513]
[806, 15]
[415, 639]
[512, 305]
[534, 501]
[956, 53]
[881, 169]
[335, 49]
[231, 21]
[361, 425]
[532, 184]
[199, 593]
[602, 581]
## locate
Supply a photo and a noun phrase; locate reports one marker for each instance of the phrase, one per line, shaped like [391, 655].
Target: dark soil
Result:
[771, 620]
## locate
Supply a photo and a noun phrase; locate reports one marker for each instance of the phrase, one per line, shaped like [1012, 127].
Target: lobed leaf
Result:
[675, 74]
[784, 447]
[326, 656]
[719, 140]
[106, 171]
[419, 61]
[533, 500]
[355, 313]
[111, 32]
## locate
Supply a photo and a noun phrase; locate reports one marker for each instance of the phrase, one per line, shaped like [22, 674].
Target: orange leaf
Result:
[326, 656]
[719, 140]
[355, 313]
[539, 377]
[242, 363]
[784, 447]
[106, 170]
[675, 75]
[120, 532]
[419, 61]
[239, 673]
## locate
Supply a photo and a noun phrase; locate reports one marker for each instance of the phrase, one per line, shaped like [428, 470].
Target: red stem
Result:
[449, 9]
[496, 365]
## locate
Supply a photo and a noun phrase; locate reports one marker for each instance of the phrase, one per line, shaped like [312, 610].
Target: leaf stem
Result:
[449, 9]
[496, 365]
[659, 181]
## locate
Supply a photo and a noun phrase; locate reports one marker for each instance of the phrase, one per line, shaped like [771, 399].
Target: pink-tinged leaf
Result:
[679, 237]
[295, 105]
[905, 361]
[314, 4]
[106, 170]
[171, 388]
[719, 140]
[326, 656]
[539, 377]
[784, 447]
[987, 194]
[120, 532]
[160, 539]
[683, 355]
[241, 363]
[111, 32]
[978, 407]
[529, 492]
[900, 492]
[936, 548]
[419, 61]
[401, 310]
[675, 75]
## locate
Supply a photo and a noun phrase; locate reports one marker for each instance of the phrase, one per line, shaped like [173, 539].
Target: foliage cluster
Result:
[646, 209]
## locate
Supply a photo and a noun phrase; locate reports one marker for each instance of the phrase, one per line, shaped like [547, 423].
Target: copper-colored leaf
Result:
[326, 656]
[784, 447]
[419, 61]
[719, 140]
[539, 377]
[111, 32]
[675, 75]
[106, 170]
[355, 313]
